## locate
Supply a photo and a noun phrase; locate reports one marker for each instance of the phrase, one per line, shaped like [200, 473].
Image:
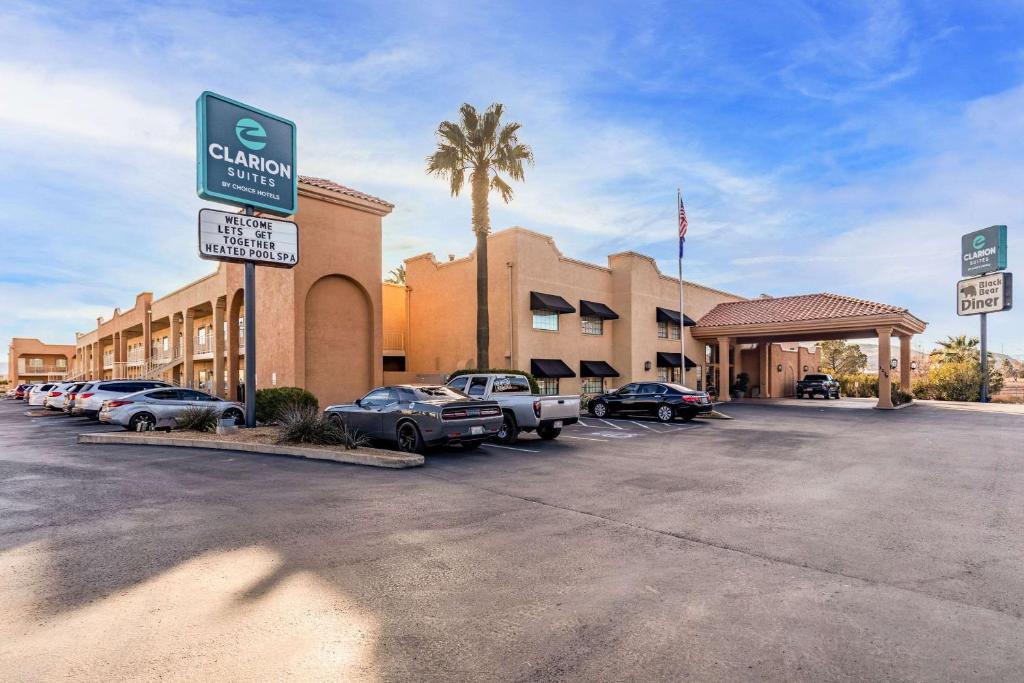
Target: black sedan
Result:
[418, 417]
[663, 400]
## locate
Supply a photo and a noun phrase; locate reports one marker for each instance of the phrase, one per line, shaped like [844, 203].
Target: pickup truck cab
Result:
[523, 410]
[812, 385]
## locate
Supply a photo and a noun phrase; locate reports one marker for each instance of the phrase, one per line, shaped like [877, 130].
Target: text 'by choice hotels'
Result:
[225, 236]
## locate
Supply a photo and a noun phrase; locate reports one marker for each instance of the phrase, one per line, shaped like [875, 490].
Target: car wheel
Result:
[598, 409]
[508, 432]
[548, 433]
[235, 416]
[408, 438]
[141, 422]
[470, 445]
[665, 413]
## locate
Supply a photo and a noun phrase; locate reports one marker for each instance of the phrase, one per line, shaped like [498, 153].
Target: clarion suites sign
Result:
[246, 156]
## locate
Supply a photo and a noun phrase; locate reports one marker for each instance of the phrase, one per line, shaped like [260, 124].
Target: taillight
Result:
[54, 393]
[454, 414]
[490, 411]
[536, 408]
[89, 395]
[692, 398]
[117, 404]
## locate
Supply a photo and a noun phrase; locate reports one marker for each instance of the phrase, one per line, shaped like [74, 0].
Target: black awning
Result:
[597, 368]
[597, 310]
[549, 302]
[550, 367]
[667, 315]
[671, 360]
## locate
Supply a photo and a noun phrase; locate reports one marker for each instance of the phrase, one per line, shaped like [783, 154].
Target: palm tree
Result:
[957, 350]
[396, 276]
[480, 147]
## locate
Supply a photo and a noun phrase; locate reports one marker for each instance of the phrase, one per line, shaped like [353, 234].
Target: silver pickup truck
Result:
[524, 411]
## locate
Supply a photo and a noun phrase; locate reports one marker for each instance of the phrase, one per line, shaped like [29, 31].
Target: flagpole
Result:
[682, 315]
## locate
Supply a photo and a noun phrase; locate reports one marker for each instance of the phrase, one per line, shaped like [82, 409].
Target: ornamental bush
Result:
[307, 425]
[271, 402]
[196, 419]
[534, 387]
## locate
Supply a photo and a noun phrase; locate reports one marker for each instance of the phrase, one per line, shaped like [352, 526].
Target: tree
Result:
[841, 358]
[480, 147]
[396, 276]
[958, 350]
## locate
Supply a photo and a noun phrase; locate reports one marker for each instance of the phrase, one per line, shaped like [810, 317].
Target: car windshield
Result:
[679, 387]
[430, 393]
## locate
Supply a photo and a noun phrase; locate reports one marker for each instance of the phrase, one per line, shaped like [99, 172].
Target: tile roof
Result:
[792, 309]
[330, 185]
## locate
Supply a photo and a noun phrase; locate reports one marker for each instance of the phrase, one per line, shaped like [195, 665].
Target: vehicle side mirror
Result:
[359, 402]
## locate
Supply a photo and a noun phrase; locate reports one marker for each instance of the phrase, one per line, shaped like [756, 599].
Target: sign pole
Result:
[984, 357]
[249, 295]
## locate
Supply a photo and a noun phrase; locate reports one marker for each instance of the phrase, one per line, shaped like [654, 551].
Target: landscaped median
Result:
[262, 440]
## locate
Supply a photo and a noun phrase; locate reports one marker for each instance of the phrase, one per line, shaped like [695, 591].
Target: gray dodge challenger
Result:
[417, 417]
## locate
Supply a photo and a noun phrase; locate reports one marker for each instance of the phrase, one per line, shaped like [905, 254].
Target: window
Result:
[62, 362]
[459, 384]
[510, 383]
[593, 385]
[545, 320]
[548, 386]
[663, 375]
[164, 395]
[378, 398]
[202, 335]
[478, 386]
[668, 330]
[166, 344]
[592, 324]
[192, 395]
[202, 377]
[35, 362]
[629, 389]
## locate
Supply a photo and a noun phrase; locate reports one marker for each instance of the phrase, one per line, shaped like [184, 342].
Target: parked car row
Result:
[472, 409]
[135, 404]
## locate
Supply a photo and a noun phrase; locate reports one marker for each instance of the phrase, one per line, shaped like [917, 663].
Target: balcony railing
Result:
[26, 369]
[394, 341]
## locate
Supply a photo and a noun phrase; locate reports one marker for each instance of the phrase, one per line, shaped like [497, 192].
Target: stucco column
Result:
[115, 371]
[723, 369]
[188, 350]
[232, 349]
[97, 360]
[738, 359]
[762, 350]
[147, 335]
[884, 356]
[218, 348]
[905, 340]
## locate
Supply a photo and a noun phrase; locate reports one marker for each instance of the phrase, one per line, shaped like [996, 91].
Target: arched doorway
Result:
[339, 340]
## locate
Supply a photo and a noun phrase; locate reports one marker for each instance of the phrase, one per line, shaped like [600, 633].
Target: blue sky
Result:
[820, 146]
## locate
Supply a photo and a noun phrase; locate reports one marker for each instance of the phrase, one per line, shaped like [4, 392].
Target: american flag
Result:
[683, 224]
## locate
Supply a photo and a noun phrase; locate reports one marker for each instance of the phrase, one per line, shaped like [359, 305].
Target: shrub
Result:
[270, 403]
[899, 397]
[197, 419]
[534, 387]
[585, 400]
[304, 424]
[861, 385]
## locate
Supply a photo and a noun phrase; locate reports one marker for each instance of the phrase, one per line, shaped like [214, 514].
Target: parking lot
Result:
[801, 541]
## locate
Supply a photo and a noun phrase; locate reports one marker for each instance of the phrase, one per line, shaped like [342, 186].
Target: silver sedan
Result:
[160, 408]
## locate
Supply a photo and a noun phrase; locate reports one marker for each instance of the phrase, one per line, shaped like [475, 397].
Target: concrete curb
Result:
[372, 457]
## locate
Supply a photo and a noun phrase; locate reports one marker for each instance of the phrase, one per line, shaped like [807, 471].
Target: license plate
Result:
[476, 430]
[557, 425]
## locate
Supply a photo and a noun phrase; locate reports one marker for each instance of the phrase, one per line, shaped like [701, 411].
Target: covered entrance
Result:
[758, 324]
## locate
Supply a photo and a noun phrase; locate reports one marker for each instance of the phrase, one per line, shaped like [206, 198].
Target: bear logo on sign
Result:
[969, 290]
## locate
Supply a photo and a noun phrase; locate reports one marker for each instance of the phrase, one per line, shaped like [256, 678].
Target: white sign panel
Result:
[985, 294]
[226, 236]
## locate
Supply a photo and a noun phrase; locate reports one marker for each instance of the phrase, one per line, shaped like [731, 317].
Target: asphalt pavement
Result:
[798, 541]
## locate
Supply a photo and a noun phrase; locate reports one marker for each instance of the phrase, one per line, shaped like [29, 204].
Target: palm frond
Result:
[503, 188]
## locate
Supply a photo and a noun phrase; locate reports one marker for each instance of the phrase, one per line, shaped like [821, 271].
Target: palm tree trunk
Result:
[482, 227]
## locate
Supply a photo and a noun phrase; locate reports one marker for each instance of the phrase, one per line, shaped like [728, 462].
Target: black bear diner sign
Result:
[986, 294]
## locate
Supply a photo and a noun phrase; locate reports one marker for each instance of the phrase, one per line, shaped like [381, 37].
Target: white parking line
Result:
[641, 424]
[614, 426]
[510, 448]
[581, 423]
[584, 438]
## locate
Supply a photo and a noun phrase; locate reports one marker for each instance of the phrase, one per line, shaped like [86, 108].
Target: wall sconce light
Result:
[913, 365]
[778, 368]
[647, 365]
[893, 363]
[806, 368]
